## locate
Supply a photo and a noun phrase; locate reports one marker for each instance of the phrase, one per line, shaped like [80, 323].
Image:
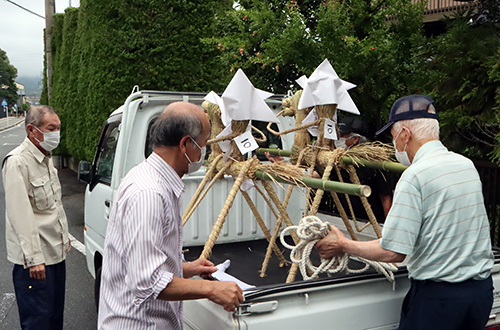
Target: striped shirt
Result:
[438, 218]
[143, 250]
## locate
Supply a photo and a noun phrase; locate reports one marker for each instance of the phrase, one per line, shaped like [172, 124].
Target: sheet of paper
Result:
[312, 116]
[325, 87]
[221, 275]
[243, 101]
[216, 99]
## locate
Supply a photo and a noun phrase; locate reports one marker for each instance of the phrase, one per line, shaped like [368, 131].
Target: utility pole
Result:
[50, 9]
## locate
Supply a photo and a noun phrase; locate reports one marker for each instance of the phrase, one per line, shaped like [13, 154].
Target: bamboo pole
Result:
[387, 166]
[346, 188]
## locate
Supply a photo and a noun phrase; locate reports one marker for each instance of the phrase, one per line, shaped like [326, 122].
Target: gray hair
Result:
[421, 128]
[168, 130]
[35, 115]
[362, 138]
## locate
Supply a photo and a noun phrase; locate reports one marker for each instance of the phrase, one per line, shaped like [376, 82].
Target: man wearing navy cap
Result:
[438, 223]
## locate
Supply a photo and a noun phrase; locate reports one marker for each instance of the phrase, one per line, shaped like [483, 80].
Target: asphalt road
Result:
[80, 312]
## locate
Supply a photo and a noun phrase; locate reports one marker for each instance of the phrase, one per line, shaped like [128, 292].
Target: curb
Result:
[12, 125]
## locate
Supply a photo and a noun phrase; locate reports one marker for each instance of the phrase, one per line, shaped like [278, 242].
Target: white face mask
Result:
[50, 139]
[402, 156]
[195, 166]
[340, 143]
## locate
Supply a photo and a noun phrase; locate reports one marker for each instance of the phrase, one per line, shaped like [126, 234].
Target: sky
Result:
[21, 33]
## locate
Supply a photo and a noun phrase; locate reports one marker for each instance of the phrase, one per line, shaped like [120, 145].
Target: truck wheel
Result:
[97, 288]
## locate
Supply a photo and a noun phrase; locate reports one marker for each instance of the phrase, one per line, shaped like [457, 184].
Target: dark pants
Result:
[40, 303]
[447, 306]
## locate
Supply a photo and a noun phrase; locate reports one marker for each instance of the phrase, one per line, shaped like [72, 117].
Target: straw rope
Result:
[263, 227]
[214, 114]
[274, 197]
[230, 136]
[283, 213]
[297, 128]
[311, 230]
[263, 139]
[354, 178]
[268, 202]
[193, 200]
[187, 214]
[274, 236]
[343, 216]
[334, 158]
[277, 226]
[312, 166]
[349, 205]
[207, 250]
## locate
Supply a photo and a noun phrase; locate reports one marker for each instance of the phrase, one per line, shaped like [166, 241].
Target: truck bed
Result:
[247, 257]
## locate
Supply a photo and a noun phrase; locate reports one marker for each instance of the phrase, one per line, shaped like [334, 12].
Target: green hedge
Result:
[103, 49]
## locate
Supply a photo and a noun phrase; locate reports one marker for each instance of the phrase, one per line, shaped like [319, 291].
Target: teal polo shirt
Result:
[438, 218]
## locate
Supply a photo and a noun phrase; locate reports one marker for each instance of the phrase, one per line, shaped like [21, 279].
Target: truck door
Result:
[98, 197]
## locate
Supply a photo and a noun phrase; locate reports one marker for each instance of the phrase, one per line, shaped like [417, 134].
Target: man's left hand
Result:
[201, 267]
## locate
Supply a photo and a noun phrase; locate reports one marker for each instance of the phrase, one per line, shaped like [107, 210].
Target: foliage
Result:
[275, 42]
[103, 49]
[107, 47]
[8, 89]
[269, 40]
[383, 58]
[463, 77]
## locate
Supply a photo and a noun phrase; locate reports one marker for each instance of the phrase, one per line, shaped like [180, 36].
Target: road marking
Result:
[75, 244]
[7, 301]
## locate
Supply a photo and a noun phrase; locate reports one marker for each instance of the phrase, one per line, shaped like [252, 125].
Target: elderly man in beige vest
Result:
[36, 225]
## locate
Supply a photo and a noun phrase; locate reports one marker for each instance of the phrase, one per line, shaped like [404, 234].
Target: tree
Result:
[8, 73]
[376, 45]
[269, 40]
[463, 77]
[275, 42]
[104, 49]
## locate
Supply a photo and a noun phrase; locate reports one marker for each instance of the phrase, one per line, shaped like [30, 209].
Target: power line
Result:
[15, 4]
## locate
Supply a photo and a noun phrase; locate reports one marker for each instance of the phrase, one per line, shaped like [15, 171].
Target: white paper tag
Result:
[246, 142]
[330, 131]
[312, 116]
[246, 185]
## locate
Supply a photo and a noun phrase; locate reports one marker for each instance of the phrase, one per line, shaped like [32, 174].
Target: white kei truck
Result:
[341, 302]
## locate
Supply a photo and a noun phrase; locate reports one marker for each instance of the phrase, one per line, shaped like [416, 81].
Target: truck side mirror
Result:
[85, 172]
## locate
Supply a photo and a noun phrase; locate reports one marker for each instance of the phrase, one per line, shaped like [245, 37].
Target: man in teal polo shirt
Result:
[438, 222]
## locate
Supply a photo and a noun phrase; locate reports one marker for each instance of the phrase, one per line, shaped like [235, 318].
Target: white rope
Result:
[310, 230]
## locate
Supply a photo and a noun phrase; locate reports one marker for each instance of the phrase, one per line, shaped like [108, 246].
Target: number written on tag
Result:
[330, 131]
[246, 142]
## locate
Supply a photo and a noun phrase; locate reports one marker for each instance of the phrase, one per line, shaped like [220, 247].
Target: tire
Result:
[97, 288]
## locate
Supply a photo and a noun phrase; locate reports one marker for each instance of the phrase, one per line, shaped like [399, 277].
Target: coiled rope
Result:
[310, 230]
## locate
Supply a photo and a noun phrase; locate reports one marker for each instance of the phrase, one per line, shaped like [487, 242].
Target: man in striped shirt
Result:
[438, 223]
[143, 277]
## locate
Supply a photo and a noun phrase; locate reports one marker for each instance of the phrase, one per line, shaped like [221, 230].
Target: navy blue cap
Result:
[349, 125]
[411, 107]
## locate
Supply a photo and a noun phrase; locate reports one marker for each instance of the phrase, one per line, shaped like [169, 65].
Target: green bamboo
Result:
[346, 188]
[388, 166]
